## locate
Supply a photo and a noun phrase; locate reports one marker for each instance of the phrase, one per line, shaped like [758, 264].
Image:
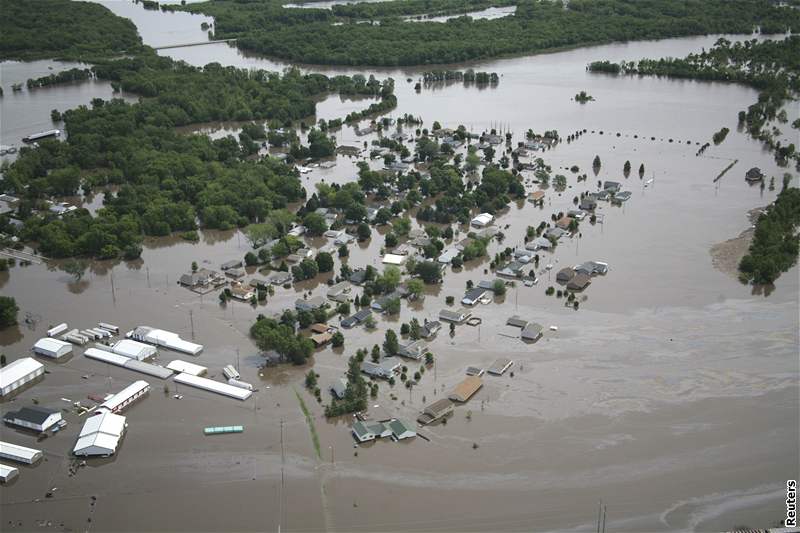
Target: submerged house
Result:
[472, 296]
[435, 411]
[413, 350]
[579, 282]
[753, 175]
[456, 317]
[311, 304]
[466, 389]
[357, 318]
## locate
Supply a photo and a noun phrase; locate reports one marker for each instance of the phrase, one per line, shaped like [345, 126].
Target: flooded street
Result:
[671, 394]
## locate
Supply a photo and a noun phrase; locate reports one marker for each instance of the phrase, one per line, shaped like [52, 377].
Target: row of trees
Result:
[310, 35]
[775, 244]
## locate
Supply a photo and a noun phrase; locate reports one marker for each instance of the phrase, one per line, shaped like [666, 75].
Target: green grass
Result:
[310, 421]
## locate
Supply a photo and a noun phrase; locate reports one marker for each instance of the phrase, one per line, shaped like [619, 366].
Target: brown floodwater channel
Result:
[671, 394]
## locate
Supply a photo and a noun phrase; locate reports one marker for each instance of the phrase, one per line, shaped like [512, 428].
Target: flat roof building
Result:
[532, 331]
[482, 220]
[179, 366]
[133, 349]
[19, 372]
[214, 386]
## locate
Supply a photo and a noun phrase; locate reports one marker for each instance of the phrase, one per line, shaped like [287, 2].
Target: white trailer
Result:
[57, 330]
[241, 384]
[213, 386]
[230, 372]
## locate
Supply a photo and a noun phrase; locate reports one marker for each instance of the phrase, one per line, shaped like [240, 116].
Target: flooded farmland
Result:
[671, 394]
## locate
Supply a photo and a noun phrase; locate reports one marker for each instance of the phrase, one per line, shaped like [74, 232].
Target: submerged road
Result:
[198, 43]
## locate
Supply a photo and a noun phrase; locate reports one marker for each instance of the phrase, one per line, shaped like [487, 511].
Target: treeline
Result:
[309, 35]
[63, 29]
[775, 243]
[65, 76]
[468, 77]
[772, 67]
[167, 181]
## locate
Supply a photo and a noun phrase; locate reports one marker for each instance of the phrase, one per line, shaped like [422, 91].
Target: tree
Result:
[8, 311]
[376, 353]
[393, 306]
[343, 251]
[415, 288]
[338, 339]
[311, 380]
[429, 271]
[414, 330]
[305, 319]
[390, 343]
[626, 169]
[194, 266]
[391, 277]
[324, 262]
[499, 287]
[641, 171]
[250, 259]
[363, 231]
[315, 224]
[75, 267]
[391, 240]
[428, 358]
[596, 164]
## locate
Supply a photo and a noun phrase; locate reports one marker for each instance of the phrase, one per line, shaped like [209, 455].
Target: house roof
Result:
[466, 389]
[500, 365]
[579, 282]
[401, 429]
[532, 331]
[321, 338]
[516, 321]
[319, 327]
[565, 274]
[474, 294]
[452, 316]
[439, 407]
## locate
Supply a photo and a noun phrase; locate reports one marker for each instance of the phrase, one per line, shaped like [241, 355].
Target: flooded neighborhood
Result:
[575, 351]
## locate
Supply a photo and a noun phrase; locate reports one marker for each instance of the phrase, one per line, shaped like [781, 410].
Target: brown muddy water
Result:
[672, 394]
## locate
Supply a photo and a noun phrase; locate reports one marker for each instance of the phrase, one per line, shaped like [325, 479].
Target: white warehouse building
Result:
[18, 373]
[126, 396]
[133, 350]
[52, 348]
[100, 435]
[20, 454]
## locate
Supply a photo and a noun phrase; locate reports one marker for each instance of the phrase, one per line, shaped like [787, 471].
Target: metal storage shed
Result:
[19, 372]
[7, 473]
[52, 348]
[20, 454]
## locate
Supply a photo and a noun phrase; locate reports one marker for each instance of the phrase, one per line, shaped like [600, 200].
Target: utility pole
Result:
[237, 358]
[113, 292]
[599, 511]
[147, 269]
[191, 321]
[604, 519]
[280, 497]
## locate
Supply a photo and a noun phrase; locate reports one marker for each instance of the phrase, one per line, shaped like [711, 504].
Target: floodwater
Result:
[671, 394]
[489, 13]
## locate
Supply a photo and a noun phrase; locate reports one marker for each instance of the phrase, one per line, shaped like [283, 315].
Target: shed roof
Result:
[32, 414]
